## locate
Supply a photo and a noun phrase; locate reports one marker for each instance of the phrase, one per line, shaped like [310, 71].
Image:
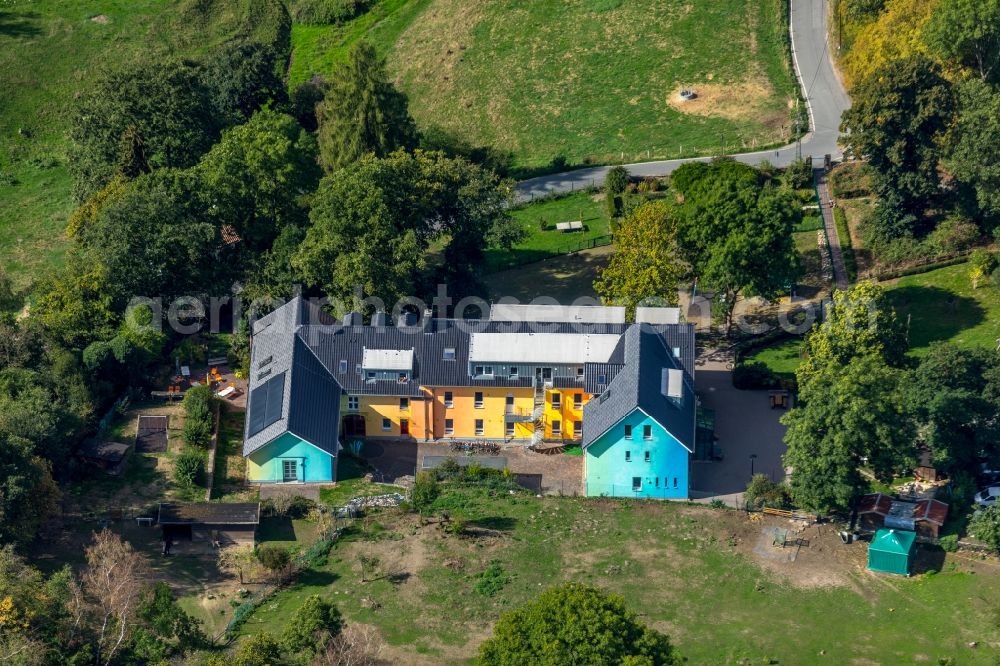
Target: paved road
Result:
[825, 98]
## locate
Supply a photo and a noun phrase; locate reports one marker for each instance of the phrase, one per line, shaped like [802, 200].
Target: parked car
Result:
[988, 496]
[988, 473]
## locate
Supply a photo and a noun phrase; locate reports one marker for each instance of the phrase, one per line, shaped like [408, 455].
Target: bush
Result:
[312, 625]
[985, 526]
[982, 263]
[327, 12]
[763, 491]
[799, 174]
[949, 543]
[272, 557]
[425, 490]
[851, 180]
[492, 581]
[189, 467]
[952, 236]
[287, 506]
[616, 181]
[754, 376]
[995, 279]
[198, 420]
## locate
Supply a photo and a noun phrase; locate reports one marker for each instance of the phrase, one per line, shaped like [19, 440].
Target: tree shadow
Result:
[276, 528]
[932, 313]
[496, 523]
[315, 578]
[438, 138]
[19, 24]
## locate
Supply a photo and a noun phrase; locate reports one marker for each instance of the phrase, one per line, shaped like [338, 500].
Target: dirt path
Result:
[825, 204]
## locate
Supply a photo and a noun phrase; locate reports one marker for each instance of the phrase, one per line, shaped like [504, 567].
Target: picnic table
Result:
[576, 225]
[226, 392]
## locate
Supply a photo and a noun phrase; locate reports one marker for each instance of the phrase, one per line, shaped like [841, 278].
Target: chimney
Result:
[406, 320]
[352, 319]
[380, 319]
[428, 321]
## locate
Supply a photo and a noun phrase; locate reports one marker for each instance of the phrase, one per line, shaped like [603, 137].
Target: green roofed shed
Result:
[891, 551]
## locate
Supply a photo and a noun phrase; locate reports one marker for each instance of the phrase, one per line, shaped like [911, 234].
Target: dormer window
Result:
[371, 375]
[483, 371]
[403, 378]
[579, 374]
[449, 354]
[602, 379]
[343, 366]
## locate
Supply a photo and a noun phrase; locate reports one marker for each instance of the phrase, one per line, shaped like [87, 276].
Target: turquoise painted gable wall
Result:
[312, 464]
[619, 467]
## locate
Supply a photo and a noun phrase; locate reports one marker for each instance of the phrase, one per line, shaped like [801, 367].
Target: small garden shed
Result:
[891, 551]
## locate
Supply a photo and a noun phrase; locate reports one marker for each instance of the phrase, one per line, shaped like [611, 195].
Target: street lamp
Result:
[753, 456]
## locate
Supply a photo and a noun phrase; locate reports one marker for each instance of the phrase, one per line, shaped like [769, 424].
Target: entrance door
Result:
[404, 427]
[289, 471]
[354, 425]
[509, 405]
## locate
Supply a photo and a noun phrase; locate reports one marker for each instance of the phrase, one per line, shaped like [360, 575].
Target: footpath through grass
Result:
[688, 571]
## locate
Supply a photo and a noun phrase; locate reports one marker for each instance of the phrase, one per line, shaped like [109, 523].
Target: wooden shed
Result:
[109, 456]
[216, 523]
[925, 517]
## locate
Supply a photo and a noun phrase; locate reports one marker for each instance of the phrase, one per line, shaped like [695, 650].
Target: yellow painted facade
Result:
[468, 412]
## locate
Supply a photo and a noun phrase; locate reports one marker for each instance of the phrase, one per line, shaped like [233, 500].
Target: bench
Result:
[229, 390]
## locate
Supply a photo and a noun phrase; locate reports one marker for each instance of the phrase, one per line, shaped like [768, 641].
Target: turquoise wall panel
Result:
[311, 465]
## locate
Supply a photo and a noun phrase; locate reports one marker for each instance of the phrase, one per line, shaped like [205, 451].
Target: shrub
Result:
[799, 174]
[312, 625]
[614, 203]
[198, 419]
[492, 581]
[198, 432]
[981, 264]
[425, 490]
[985, 526]
[189, 467]
[327, 12]
[754, 376]
[952, 236]
[949, 543]
[761, 490]
[851, 180]
[995, 279]
[287, 506]
[272, 557]
[616, 181]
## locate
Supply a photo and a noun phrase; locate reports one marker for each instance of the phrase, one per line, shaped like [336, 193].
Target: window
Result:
[646, 456]
[478, 402]
[343, 366]
[508, 430]
[636, 483]
[357, 368]
[386, 424]
[488, 370]
[289, 470]
[556, 401]
[628, 456]
[557, 428]
[657, 482]
[602, 379]
[577, 401]
[449, 353]
[449, 399]
[477, 371]
[403, 378]
[352, 403]
[264, 374]
[483, 371]
[514, 372]
[479, 428]
[404, 404]
[628, 432]
[371, 375]
[579, 374]
[647, 432]
[574, 429]
[675, 482]
[449, 426]
[265, 362]
[677, 352]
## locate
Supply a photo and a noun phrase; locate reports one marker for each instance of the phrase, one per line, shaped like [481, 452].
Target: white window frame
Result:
[478, 400]
[480, 425]
[404, 404]
[647, 432]
[285, 463]
[556, 428]
[628, 456]
[646, 457]
[449, 399]
[448, 354]
[352, 403]
[636, 487]
[449, 426]
[386, 425]
[556, 400]
[577, 401]
[508, 429]
[628, 431]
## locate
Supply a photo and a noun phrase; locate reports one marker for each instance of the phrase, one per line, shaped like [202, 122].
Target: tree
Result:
[735, 230]
[36, 622]
[847, 417]
[949, 394]
[858, 323]
[258, 175]
[137, 117]
[967, 34]
[982, 263]
[896, 33]
[615, 184]
[165, 629]
[28, 494]
[75, 303]
[897, 116]
[762, 491]
[261, 649]
[244, 78]
[975, 147]
[355, 645]
[985, 526]
[362, 112]
[373, 221]
[646, 264]
[113, 583]
[274, 558]
[574, 623]
[312, 626]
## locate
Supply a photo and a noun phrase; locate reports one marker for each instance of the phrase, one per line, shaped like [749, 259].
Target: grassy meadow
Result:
[50, 51]
[692, 572]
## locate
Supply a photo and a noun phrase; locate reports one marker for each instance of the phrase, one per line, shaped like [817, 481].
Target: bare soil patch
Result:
[742, 100]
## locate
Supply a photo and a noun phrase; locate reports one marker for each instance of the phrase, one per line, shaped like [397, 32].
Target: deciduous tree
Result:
[646, 265]
[974, 151]
[113, 582]
[967, 34]
[575, 624]
[243, 78]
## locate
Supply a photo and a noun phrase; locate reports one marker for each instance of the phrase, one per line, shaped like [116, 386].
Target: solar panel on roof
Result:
[265, 404]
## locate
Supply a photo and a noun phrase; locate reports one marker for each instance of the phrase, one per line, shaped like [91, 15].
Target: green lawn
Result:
[782, 358]
[687, 571]
[50, 50]
[942, 305]
[540, 244]
[589, 81]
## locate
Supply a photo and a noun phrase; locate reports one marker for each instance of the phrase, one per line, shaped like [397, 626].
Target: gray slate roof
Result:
[637, 385]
